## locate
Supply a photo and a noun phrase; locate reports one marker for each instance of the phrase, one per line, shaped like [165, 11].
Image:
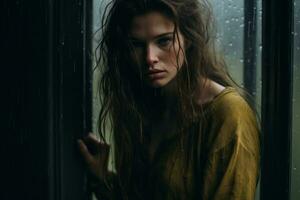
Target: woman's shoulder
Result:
[230, 118]
[229, 101]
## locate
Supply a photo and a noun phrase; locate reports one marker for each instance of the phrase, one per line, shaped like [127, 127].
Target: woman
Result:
[180, 128]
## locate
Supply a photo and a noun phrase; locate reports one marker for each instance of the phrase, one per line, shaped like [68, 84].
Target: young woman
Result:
[181, 127]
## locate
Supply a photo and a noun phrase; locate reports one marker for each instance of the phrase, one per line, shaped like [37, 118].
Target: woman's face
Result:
[156, 54]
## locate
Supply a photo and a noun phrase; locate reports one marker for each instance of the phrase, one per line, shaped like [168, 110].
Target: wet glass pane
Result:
[258, 56]
[98, 6]
[229, 15]
[295, 180]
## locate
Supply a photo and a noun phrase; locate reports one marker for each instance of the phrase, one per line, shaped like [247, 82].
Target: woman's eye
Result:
[165, 41]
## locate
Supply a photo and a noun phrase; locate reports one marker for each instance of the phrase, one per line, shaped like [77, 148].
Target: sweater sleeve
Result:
[232, 163]
[231, 174]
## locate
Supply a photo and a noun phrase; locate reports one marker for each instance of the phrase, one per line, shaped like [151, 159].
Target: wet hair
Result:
[127, 104]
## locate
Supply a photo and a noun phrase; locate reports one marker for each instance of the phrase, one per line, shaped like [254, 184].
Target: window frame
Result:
[277, 74]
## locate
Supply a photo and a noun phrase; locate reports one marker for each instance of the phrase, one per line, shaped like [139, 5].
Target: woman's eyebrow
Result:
[163, 35]
[155, 37]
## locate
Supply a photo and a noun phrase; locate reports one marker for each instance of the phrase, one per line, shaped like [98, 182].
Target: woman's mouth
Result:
[156, 74]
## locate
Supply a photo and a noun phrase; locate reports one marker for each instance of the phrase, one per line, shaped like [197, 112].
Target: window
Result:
[295, 175]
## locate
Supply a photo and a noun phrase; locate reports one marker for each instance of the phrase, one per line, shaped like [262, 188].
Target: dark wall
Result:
[45, 80]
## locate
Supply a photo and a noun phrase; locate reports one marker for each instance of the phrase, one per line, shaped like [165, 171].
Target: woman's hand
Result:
[95, 154]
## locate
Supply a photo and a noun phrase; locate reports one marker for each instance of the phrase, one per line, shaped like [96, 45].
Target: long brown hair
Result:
[125, 99]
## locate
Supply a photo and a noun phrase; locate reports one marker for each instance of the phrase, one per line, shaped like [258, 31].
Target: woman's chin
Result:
[157, 83]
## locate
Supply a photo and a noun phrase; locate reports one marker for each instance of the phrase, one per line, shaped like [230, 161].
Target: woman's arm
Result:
[95, 154]
[233, 152]
[231, 173]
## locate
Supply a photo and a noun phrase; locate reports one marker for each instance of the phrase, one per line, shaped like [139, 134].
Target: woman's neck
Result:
[208, 91]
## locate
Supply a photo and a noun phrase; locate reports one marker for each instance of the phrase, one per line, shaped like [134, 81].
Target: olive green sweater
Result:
[218, 160]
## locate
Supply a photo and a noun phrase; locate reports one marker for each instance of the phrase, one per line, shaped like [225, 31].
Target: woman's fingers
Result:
[85, 152]
[95, 154]
[94, 145]
[92, 139]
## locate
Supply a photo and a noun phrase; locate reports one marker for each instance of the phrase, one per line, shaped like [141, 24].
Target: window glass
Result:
[259, 47]
[229, 16]
[98, 7]
[295, 179]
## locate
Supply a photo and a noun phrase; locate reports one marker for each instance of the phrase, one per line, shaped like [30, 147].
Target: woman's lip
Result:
[155, 72]
[156, 75]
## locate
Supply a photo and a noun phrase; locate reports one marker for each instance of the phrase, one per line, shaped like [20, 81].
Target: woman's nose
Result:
[151, 55]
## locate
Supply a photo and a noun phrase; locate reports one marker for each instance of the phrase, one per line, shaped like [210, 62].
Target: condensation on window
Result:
[259, 48]
[98, 9]
[295, 179]
[229, 16]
